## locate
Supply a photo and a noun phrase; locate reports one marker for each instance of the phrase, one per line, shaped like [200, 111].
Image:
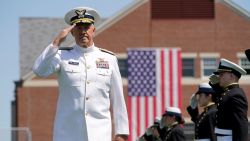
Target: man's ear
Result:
[72, 33]
[93, 31]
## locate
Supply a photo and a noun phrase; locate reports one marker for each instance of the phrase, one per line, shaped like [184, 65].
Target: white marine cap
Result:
[172, 111]
[82, 15]
[228, 66]
[157, 119]
[205, 88]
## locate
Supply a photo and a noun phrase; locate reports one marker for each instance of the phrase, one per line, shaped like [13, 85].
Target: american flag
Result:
[154, 82]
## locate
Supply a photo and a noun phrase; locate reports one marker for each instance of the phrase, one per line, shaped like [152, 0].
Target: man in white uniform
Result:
[89, 83]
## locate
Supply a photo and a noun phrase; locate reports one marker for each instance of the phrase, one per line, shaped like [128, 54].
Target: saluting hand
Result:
[62, 35]
[193, 101]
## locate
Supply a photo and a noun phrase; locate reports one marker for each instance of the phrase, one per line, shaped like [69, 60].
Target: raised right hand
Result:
[213, 79]
[62, 35]
[193, 101]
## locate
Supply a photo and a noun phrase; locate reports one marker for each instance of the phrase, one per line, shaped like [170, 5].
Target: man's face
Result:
[83, 34]
[168, 120]
[225, 78]
[203, 99]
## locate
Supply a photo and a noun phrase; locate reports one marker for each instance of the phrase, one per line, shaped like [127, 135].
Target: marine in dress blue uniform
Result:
[205, 121]
[231, 117]
[89, 83]
[148, 135]
[173, 120]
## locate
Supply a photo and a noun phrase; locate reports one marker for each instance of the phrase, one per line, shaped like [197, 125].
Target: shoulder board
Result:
[65, 48]
[107, 51]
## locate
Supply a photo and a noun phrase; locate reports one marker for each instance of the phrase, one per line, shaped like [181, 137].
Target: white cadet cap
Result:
[228, 66]
[205, 88]
[82, 15]
[157, 120]
[173, 111]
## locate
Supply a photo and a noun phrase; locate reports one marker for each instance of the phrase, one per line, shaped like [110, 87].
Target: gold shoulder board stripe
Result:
[107, 51]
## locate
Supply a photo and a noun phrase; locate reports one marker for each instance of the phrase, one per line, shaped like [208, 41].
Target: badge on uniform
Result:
[100, 63]
[73, 63]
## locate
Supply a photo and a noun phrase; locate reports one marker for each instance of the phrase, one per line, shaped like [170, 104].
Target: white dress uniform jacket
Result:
[89, 83]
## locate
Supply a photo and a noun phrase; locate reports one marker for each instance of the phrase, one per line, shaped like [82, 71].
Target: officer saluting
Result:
[89, 83]
[231, 118]
[205, 121]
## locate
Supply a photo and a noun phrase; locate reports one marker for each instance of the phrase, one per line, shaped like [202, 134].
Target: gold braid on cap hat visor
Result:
[82, 20]
[224, 70]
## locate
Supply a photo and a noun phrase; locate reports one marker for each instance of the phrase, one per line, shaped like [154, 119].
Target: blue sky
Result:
[11, 11]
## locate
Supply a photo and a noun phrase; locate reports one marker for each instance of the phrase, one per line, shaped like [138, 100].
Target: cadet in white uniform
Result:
[89, 83]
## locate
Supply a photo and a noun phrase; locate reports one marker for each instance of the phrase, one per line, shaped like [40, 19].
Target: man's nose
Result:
[84, 31]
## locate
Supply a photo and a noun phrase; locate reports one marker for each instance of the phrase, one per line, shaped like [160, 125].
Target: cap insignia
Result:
[80, 13]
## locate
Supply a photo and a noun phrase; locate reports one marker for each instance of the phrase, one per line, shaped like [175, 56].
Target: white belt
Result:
[202, 139]
[223, 131]
[224, 138]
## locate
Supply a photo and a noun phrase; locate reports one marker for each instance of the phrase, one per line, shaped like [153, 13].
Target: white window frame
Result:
[189, 56]
[207, 56]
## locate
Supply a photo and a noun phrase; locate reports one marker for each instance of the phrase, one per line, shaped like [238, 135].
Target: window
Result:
[188, 67]
[245, 64]
[123, 66]
[209, 65]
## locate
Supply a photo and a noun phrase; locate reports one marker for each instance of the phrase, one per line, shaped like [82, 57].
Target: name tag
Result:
[73, 63]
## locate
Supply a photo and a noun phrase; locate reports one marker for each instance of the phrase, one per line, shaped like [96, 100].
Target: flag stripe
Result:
[138, 116]
[146, 112]
[167, 86]
[179, 79]
[175, 78]
[142, 115]
[157, 99]
[170, 79]
[162, 79]
[135, 125]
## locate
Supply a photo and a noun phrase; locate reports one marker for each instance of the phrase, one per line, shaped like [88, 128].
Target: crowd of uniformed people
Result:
[218, 110]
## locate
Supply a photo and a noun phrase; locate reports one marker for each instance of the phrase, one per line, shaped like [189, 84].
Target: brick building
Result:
[205, 30]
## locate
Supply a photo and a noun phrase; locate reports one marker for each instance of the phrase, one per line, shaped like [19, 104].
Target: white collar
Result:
[87, 49]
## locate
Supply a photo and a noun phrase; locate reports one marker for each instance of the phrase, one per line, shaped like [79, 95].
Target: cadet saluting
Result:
[205, 121]
[89, 82]
[231, 118]
[172, 120]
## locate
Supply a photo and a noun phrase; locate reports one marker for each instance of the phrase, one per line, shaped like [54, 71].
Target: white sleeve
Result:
[118, 102]
[47, 63]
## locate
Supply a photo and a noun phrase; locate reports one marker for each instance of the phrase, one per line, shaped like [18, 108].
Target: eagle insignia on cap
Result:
[80, 13]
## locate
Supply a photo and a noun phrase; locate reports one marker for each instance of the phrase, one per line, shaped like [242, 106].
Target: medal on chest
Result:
[101, 63]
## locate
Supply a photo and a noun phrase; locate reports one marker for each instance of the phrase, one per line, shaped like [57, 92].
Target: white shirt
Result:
[89, 85]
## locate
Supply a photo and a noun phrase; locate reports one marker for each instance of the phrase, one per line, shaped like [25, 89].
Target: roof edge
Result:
[120, 15]
[234, 6]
